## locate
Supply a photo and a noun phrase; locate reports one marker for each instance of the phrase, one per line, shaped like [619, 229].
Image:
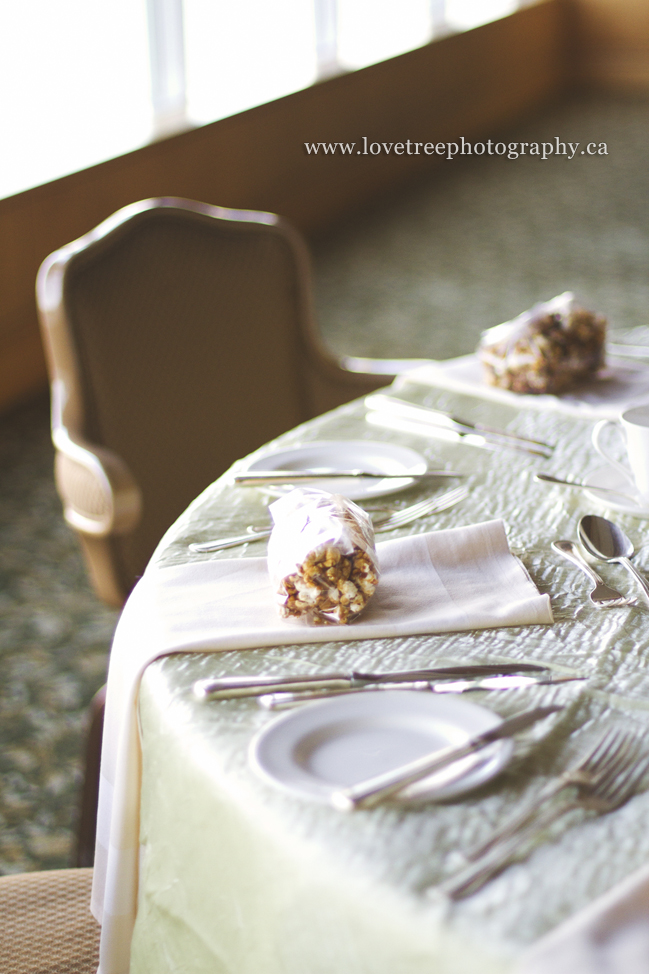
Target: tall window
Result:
[85, 80]
[240, 54]
[369, 32]
[74, 86]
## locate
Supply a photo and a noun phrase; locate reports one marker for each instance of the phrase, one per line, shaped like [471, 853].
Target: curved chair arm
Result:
[387, 368]
[99, 494]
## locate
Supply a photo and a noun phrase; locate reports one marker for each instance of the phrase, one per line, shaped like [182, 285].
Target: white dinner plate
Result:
[332, 744]
[347, 455]
[607, 476]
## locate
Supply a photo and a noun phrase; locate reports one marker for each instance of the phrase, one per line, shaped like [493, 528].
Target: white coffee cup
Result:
[634, 426]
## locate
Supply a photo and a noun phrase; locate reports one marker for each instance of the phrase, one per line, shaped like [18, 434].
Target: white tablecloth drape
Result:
[458, 579]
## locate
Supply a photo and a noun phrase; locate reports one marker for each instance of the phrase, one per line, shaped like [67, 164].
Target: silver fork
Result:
[602, 595]
[386, 522]
[617, 781]
[613, 745]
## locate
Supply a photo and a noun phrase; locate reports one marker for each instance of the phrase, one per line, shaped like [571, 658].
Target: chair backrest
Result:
[179, 338]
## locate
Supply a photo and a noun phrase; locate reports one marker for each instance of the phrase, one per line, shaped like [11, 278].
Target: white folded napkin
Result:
[459, 579]
[605, 396]
[611, 936]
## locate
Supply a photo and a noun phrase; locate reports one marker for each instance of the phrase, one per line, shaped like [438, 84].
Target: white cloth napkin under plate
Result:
[458, 579]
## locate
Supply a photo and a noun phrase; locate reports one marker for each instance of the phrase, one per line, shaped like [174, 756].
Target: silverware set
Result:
[600, 782]
[602, 595]
[607, 542]
[278, 693]
[283, 700]
[399, 414]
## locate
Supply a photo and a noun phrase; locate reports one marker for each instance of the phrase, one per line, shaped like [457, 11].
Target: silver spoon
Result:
[606, 541]
[602, 594]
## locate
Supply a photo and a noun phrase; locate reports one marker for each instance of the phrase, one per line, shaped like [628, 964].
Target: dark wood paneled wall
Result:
[613, 43]
[471, 84]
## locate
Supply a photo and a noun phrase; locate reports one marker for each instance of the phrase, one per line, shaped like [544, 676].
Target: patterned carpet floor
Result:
[419, 275]
[54, 639]
[482, 239]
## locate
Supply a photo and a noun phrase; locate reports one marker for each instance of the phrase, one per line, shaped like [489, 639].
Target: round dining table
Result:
[206, 865]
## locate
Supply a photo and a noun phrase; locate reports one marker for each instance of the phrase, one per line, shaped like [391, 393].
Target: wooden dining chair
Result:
[45, 923]
[179, 337]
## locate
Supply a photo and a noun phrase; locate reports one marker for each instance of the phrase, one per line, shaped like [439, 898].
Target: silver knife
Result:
[401, 424]
[628, 351]
[287, 701]
[228, 687]
[484, 441]
[289, 476]
[437, 417]
[374, 790]
[549, 479]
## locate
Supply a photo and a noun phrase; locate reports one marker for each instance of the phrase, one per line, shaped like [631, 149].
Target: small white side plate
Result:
[375, 457]
[335, 743]
[609, 477]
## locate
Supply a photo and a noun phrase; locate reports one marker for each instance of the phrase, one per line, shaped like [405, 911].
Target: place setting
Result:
[345, 727]
[357, 747]
[352, 739]
[361, 470]
[556, 357]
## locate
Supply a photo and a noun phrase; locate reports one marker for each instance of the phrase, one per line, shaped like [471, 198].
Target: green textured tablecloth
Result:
[238, 878]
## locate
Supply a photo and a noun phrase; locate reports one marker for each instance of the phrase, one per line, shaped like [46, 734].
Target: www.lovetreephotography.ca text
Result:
[449, 150]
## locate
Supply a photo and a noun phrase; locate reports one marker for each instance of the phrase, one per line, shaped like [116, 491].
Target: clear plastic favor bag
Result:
[548, 349]
[321, 556]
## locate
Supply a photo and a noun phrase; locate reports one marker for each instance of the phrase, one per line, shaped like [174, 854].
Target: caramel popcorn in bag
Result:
[548, 349]
[321, 556]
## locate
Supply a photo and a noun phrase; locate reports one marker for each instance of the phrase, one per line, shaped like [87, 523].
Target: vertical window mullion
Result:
[167, 63]
[437, 17]
[326, 37]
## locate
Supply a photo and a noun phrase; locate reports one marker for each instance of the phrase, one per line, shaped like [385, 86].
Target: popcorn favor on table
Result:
[321, 556]
[548, 349]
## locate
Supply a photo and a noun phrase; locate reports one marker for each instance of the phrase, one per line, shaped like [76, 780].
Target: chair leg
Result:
[87, 828]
